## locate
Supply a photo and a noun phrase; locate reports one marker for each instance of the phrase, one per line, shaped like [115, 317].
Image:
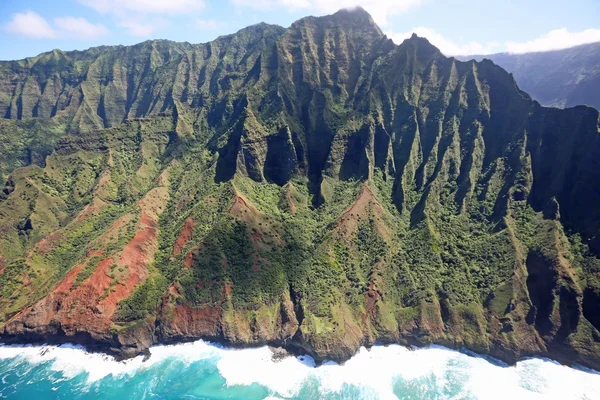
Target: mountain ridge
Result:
[316, 187]
[558, 78]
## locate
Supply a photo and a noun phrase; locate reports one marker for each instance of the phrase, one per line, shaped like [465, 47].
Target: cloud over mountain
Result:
[30, 24]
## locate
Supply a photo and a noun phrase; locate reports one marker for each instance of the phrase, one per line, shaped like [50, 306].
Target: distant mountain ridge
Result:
[316, 187]
[559, 78]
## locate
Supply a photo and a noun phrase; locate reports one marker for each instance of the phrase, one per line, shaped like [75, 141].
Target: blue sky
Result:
[29, 27]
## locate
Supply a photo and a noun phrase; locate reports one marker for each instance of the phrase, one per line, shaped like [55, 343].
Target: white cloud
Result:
[446, 46]
[208, 24]
[379, 9]
[79, 28]
[119, 7]
[260, 4]
[141, 28]
[30, 24]
[555, 40]
[132, 15]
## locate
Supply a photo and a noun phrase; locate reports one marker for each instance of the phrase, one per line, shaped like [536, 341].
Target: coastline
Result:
[292, 348]
[208, 370]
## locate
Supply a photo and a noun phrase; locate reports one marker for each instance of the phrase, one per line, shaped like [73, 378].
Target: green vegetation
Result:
[86, 272]
[406, 195]
[144, 300]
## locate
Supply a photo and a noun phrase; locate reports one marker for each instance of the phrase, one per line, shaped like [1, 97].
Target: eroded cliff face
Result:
[316, 187]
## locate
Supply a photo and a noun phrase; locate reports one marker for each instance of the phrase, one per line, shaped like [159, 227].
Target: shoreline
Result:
[209, 369]
[280, 351]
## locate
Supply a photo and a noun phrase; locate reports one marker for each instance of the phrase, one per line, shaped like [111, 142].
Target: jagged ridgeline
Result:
[317, 187]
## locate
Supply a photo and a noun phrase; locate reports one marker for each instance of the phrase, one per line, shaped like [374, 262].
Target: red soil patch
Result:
[358, 207]
[95, 253]
[134, 253]
[100, 279]
[227, 288]
[105, 177]
[136, 256]
[76, 309]
[94, 302]
[193, 322]
[172, 291]
[80, 308]
[116, 225]
[239, 204]
[2, 265]
[244, 210]
[188, 261]
[185, 321]
[371, 298]
[366, 205]
[90, 210]
[67, 283]
[139, 252]
[288, 197]
[91, 305]
[47, 244]
[184, 237]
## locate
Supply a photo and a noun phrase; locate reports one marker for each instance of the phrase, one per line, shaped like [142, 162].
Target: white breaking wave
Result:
[376, 372]
[379, 368]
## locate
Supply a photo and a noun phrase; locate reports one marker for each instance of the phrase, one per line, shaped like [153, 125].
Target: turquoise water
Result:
[201, 370]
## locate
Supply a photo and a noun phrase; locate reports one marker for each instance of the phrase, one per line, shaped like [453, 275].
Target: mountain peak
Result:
[422, 43]
[354, 19]
[356, 10]
[355, 16]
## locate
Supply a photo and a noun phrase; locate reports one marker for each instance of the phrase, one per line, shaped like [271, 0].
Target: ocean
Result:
[201, 370]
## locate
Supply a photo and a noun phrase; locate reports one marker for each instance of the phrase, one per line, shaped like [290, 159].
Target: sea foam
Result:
[380, 372]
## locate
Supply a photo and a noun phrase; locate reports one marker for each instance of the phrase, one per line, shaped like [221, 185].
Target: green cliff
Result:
[316, 187]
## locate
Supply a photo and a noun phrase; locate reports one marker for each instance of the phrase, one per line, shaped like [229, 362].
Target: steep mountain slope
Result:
[560, 78]
[317, 187]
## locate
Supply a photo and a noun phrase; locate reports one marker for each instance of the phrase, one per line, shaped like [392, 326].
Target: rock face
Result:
[317, 188]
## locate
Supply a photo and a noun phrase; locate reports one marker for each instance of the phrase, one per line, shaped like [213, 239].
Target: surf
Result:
[205, 370]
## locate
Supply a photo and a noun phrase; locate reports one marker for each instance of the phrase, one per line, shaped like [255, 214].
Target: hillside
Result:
[560, 78]
[316, 187]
